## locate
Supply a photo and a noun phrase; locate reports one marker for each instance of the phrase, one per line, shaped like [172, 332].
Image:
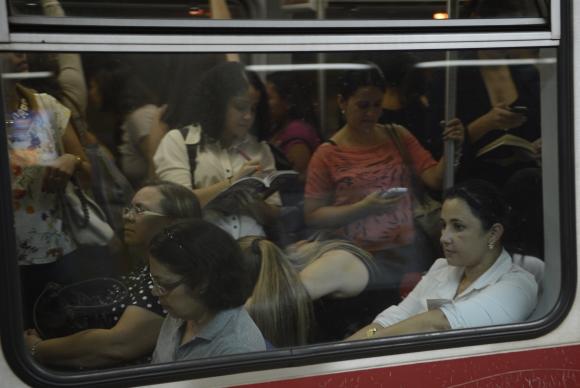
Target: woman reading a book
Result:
[348, 178]
[217, 150]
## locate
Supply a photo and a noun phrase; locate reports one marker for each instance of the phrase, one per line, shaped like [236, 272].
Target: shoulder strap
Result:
[394, 135]
[191, 154]
[416, 184]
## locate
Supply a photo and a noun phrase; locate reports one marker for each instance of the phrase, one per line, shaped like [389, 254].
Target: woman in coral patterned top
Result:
[348, 176]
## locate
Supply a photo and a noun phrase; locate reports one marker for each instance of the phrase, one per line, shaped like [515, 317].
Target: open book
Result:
[259, 185]
[508, 140]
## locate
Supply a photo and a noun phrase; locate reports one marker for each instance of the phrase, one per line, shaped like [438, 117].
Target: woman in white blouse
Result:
[476, 284]
[218, 149]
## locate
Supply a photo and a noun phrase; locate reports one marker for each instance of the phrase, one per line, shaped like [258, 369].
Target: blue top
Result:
[229, 332]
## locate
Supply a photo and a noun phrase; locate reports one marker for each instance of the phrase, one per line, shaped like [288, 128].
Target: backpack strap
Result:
[191, 154]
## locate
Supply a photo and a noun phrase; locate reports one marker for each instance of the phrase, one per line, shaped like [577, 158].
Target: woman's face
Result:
[139, 225]
[463, 239]
[278, 106]
[240, 113]
[363, 109]
[16, 62]
[176, 297]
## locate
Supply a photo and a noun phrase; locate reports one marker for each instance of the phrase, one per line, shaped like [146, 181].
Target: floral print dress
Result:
[37, 215]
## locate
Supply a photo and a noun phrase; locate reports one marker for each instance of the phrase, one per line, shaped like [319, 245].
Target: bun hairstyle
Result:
[484, 199]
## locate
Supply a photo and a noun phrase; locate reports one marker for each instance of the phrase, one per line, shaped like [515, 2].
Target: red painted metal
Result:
[552, 367]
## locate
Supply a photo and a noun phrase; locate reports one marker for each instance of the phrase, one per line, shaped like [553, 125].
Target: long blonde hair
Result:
[280, 305]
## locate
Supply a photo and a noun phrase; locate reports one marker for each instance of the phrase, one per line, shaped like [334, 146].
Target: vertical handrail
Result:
[450, 102]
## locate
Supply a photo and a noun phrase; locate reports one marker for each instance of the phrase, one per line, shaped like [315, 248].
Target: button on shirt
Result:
[504, 294]
[229, 332]
[213, 164]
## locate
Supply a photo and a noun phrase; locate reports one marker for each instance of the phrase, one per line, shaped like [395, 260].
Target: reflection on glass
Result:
[287, 9]
[325, 249]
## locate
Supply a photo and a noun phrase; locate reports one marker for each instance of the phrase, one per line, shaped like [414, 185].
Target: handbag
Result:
[110, 188]
[63, 310]
[83, 219]
[426, 209]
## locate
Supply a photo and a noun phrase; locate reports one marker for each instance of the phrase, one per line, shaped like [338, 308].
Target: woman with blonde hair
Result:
[288, 281]
[279, 304]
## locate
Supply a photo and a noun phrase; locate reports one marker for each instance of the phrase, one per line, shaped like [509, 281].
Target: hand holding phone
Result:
[394, 192]
[519, 109]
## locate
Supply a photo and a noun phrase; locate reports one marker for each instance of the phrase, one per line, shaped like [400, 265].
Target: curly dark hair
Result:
[209, 260]
[214, 91]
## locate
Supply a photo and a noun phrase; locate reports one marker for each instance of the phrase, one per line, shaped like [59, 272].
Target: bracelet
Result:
[33, 348]
[371, 332]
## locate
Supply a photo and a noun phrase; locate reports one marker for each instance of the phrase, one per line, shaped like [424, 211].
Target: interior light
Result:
[196, 11]
[440, 15]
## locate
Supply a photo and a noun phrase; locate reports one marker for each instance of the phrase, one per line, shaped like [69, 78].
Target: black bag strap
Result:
[191, 154]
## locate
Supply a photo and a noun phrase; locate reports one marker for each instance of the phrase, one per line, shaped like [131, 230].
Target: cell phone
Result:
[394, 192]
[519, 109]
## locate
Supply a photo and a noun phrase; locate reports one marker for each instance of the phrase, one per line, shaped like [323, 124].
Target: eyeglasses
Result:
[140, 210]
[164, 289]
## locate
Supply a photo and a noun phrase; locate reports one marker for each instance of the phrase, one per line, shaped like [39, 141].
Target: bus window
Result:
[319, 253]
[291, 10]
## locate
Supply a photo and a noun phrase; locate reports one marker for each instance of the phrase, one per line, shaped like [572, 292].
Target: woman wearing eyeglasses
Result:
[198, 273]
[138, 316]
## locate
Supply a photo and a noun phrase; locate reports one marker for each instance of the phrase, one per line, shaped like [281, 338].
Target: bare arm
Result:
[299, 155]
[337, 273]
[219, 10]
[432, 320]
[319, 213]
[58, 174]
[134, 336]
[499, 117]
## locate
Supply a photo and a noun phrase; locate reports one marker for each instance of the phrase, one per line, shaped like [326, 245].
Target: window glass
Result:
[288, 9]
[334, 248]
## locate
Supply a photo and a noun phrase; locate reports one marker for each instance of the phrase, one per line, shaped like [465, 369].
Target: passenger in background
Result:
[293, 120]
[349, 176]
[405, 101]
[44, 153]
[139, 316]
[476, 284]
[217, 149]
[198, 274]
[114, 88]
[499, 101]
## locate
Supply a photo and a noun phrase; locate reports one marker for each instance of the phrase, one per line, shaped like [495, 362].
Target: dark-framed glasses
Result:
[164, 289]
[140, 210]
